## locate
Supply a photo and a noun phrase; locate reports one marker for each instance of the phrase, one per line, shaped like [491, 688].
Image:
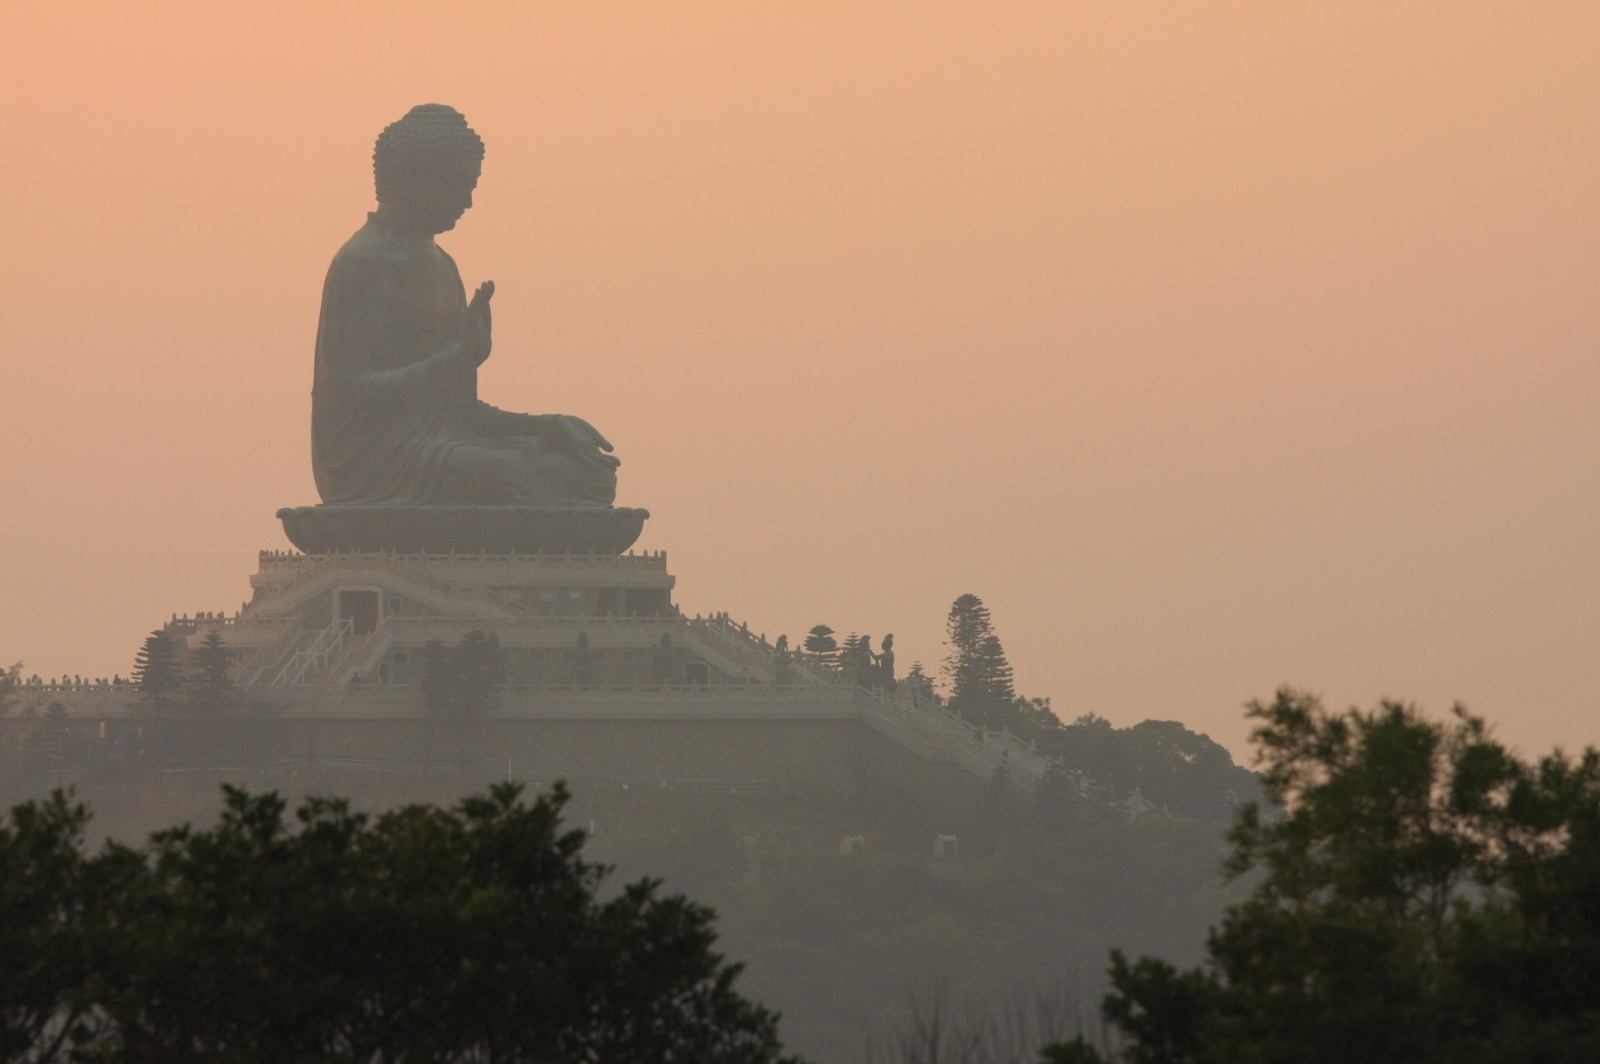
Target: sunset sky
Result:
[1214, 345]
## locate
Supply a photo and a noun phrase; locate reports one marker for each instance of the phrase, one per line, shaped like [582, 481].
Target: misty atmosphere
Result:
[1070, 538]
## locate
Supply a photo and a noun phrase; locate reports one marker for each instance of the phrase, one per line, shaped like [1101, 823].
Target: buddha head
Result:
[426, 166]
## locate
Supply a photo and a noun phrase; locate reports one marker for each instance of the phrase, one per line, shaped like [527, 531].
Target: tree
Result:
[1167, 763]
[855, 659]
[477, 667]
[965, 628]
[1036, 717]
[919, 685]
[821, 645]
[436, 678]
[156, 672]
[458, 682]
[10, 682]
[59, 916]
[976, 671]
[211, 690]
[993, 673]
[1423, 895]
[471, 933]
[51, 747]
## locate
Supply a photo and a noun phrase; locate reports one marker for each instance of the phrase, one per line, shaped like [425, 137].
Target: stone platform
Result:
[466, 529]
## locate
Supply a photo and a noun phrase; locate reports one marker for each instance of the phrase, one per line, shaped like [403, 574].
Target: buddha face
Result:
[437, 199]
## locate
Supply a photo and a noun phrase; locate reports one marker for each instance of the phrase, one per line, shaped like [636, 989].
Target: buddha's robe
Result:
[395, 413]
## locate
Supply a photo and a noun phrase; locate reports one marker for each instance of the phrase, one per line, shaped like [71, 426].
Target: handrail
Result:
[359, 659]
[417, 575]
[423, 585]
[983, 750]
[631, 560]
[754, 649]
[326, 643]
[273, 652]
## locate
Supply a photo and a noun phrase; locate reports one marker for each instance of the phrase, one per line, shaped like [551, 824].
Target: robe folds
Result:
[395, 413]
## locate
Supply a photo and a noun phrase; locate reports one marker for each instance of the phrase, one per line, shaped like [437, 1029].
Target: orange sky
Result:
[1215, 345]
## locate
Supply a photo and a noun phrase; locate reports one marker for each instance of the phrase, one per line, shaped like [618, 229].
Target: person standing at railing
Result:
[661, 660]
[582, 661]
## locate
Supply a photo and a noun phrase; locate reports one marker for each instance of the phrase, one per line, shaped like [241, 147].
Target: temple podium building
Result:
[602, 679]
[359, 620]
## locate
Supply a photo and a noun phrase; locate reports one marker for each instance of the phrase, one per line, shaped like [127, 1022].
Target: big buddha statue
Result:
[405, 453]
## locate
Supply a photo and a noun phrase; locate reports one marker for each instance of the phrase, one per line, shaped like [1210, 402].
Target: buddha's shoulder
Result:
[372, 244]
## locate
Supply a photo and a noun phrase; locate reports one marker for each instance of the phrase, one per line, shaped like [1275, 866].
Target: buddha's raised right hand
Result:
[479, 339]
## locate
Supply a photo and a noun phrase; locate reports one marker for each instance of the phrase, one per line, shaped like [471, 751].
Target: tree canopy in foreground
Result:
[468, 934]
[1421, 894]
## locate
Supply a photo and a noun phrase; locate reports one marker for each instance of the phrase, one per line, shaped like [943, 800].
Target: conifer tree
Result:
[10, 680]
[435, 678]
[976, 671]
[848, 660]
[156, 673]
[994, 672]
[918, 684]
[477, 668]
[856, 660]
[211, 688]
[822, 646]
[457, 681]
[965, 629]
[51, 747]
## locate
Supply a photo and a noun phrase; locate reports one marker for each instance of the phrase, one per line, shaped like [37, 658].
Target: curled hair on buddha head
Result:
[430, 134]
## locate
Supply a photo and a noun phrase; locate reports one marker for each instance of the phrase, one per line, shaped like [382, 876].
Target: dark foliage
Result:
[157, 673]
[918, 685]
[474, 933]
[1180, 770]
[459, 681]
[1424, 896]
[478, 667]
[993, 672]
[856, 660]
[51, 749]
[48, 924]
[10, 684]
[821, 645]
[435, 678]
[976, 671]
[210, 689]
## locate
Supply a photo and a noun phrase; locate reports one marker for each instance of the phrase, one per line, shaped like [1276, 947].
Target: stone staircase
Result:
[309, 666]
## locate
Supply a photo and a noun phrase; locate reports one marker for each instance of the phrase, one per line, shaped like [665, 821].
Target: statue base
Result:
[464, 529]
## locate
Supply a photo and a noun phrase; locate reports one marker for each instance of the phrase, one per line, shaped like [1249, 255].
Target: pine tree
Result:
[10, 680]
[478, 667]
[855, 660]
[919, 685]
[52, 749]
[995, 672]
[976, 671]
[822, 647]
[211, 688]
[965, 630]
[156, 673]
[436, 678]
[847, 661]
[458, 681]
